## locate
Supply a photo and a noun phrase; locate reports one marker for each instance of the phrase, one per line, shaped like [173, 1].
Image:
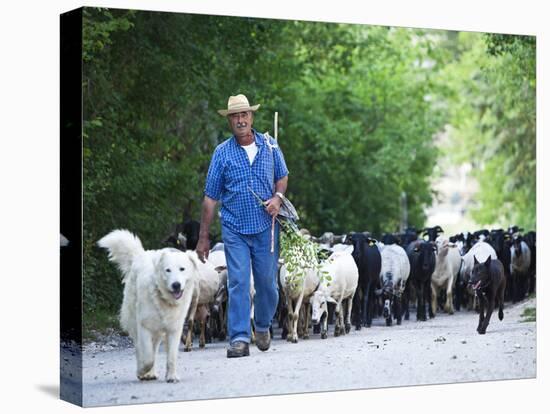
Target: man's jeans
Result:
[242, 251]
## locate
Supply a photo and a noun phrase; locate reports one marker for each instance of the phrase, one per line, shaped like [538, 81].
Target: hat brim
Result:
[225, 112]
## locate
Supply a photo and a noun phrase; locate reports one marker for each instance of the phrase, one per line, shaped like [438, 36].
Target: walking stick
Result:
[273, 220]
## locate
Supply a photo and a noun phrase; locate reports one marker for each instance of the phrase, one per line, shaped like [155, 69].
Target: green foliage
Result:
[366, 128]
[96, 35]
[299, 254]
[529, 315]
[499, 44]
[493, 120]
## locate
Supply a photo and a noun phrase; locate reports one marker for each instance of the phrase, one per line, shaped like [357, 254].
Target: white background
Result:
[29, 238]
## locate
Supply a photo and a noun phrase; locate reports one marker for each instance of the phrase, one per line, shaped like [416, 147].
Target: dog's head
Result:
[481, 276]
[175, 268]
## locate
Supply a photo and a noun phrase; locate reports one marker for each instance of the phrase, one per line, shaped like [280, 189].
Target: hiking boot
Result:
[263, 340]
[238, 349]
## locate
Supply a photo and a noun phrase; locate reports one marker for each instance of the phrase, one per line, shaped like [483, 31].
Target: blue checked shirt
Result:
[230, 177]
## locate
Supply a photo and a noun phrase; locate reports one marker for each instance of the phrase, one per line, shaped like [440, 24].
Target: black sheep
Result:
[388, 238]
[422, 259]
[369, 262]
[185, 236]
[432, 232]
[482, 232]
[531, 240]
[191, 230]
[410, 235]
[469, 241]
[519, 268]
[501, 242]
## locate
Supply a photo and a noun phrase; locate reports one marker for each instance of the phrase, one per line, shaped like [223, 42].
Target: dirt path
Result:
[442, 350]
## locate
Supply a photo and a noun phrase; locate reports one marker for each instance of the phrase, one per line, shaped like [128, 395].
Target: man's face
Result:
[241, 123]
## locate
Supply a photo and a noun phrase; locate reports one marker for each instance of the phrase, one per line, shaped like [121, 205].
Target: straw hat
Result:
[237, 104]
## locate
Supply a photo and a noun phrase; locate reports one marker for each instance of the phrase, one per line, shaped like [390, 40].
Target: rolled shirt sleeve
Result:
[214, 179]
[280, 165]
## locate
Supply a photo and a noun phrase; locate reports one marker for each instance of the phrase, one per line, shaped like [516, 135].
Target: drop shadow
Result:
[50, 389]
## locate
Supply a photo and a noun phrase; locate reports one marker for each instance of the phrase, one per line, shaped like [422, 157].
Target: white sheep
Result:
[203, 296]
[297, 289]
[394, 273]
[344, 275]
[339, 247]
[481, 250]
[447, 266]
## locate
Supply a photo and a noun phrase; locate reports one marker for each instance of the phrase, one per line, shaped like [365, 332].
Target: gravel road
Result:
[445, 349]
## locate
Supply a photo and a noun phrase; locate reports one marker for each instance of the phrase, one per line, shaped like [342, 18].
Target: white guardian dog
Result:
[159, 286]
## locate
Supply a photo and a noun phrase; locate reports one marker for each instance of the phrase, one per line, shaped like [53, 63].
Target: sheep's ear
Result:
[220, 269]
[182, 241]
[475, 260]
[193, 258]
[331, 299]
[488, 261]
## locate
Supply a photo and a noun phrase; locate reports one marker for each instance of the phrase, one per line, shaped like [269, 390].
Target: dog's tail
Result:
[123, 247]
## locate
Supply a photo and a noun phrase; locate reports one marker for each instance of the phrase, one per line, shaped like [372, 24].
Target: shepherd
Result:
[244, 167]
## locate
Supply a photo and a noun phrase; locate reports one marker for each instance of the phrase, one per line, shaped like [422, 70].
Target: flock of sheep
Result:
[368, 278]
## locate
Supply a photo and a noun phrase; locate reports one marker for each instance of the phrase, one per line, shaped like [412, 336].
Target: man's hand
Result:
[203, 248]
[273, 205]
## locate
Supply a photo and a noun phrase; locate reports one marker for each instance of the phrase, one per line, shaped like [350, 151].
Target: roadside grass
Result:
[529, 315]
[98, 323]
